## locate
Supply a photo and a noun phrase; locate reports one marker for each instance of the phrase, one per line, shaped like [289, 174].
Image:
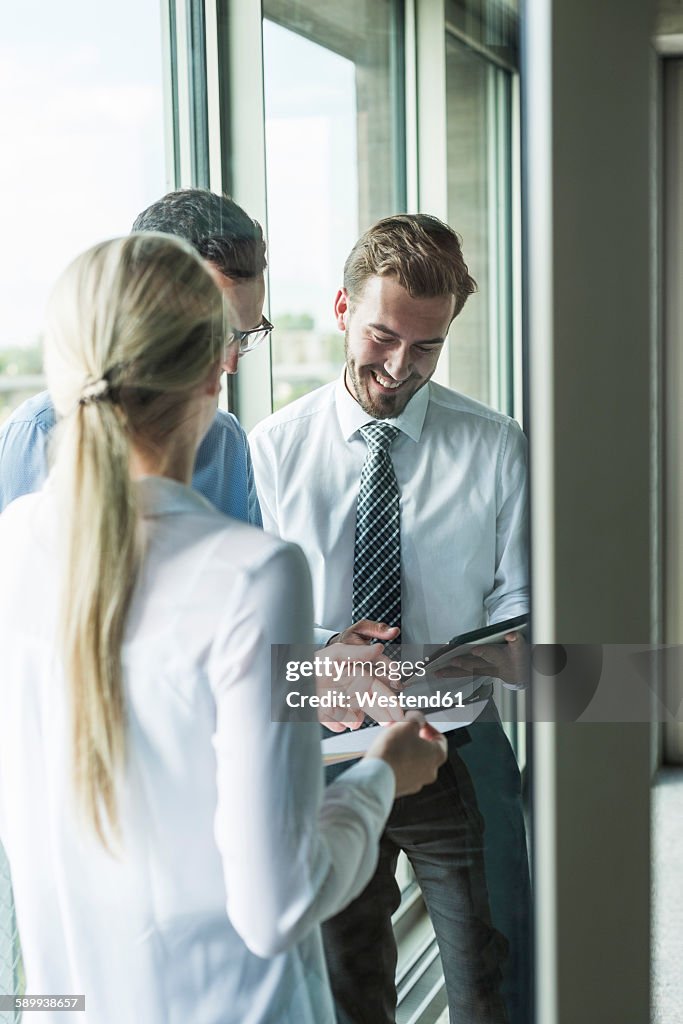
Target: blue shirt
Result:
[223, 472]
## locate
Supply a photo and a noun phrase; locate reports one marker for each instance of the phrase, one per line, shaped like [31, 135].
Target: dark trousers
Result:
[457, 836]
[495, 774]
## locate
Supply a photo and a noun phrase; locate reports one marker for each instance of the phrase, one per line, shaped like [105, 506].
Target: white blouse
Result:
[232, 855]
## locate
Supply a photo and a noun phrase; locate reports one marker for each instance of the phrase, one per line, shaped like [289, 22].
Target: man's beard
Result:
[380, 407]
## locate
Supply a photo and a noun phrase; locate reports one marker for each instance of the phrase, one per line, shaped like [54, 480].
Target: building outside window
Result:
[334, 117]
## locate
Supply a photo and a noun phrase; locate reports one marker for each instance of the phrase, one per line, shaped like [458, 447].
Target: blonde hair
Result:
[134, 326]
[420, 251]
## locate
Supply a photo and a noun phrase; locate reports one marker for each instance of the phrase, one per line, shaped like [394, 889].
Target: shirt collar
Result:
[159, 495]
[352, 417]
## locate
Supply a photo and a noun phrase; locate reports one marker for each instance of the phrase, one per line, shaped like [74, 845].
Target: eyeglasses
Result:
[249, 340]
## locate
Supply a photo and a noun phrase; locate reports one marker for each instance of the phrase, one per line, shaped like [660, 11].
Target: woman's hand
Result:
[413, 749]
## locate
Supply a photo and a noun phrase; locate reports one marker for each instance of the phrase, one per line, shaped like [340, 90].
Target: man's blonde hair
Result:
[420, 251]
[134, 326]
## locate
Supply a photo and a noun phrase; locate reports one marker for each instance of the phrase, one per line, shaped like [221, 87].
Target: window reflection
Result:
[333, 111]
[478, 116]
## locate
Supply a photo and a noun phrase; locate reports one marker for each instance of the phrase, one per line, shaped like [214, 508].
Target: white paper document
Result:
[343, 745]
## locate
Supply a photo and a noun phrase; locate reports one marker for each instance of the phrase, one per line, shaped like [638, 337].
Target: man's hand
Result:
[353, 669]
[364, 631]
[508, 662]
[413, 749]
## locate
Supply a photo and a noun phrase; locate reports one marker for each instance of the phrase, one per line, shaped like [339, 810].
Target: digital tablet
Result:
[463, 643]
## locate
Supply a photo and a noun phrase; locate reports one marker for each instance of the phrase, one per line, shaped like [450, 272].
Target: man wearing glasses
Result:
[234, 248]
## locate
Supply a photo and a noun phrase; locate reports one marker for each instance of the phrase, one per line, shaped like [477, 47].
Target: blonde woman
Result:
[170, 848]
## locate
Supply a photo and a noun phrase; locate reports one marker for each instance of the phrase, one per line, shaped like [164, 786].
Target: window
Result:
[478, 113]
[82, 115]
[334, 114]
[336, 141]
[484, 344]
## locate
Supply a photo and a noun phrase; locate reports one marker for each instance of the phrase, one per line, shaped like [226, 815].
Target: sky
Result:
[312, 175]
[81, 117]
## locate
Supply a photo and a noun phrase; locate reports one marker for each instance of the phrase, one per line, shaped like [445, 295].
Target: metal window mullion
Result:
[243, 151]
[500, 241]
[505, 233]
[432, 125]
[213, 95]
[493, 157]
[518, 409]
[197, 97]
[170, 93]
[397, 72]
[410, 93]
[189, 93]
[183, 130]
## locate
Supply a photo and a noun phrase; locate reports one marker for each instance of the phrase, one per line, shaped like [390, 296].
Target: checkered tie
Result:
[377, 555]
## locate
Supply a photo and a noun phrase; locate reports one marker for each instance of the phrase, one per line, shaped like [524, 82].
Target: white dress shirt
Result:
[461, 472]
[231, 853]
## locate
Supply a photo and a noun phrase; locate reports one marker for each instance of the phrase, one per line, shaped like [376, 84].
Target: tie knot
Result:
[379, 435]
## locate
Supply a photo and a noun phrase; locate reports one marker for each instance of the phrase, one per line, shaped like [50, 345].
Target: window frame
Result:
[236, 161]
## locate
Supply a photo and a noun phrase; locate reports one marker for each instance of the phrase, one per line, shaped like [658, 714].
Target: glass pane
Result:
[492, 26]
[332, 117]
[82, 113]
[469, 193]
[479, 131]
